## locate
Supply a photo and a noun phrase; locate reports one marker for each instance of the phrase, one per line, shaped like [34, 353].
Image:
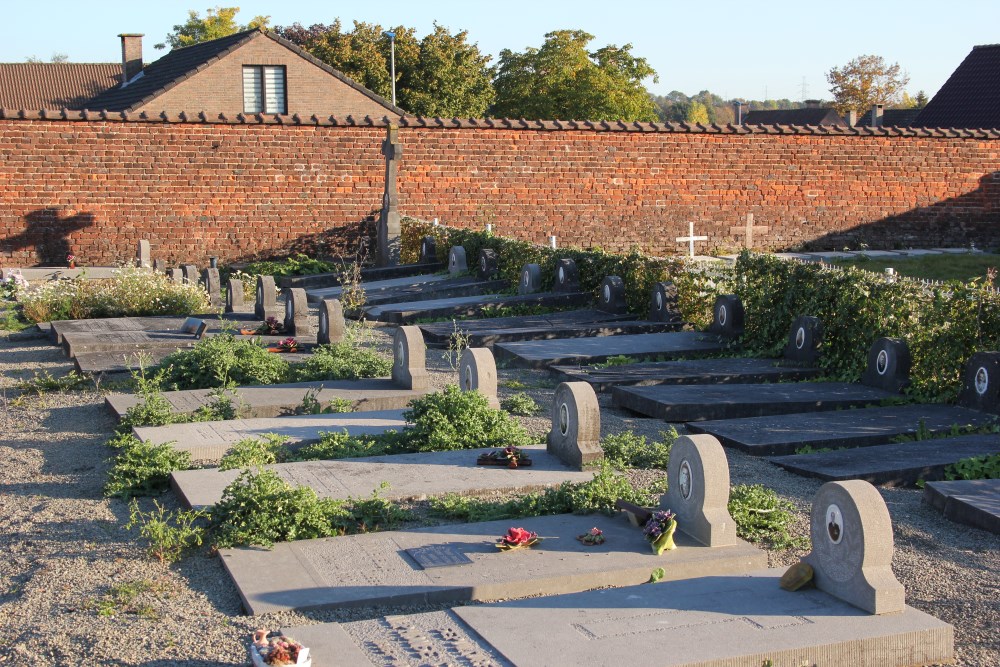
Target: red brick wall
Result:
[195, 190]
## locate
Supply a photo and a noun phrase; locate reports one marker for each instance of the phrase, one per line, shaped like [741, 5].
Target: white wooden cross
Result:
[691, 238]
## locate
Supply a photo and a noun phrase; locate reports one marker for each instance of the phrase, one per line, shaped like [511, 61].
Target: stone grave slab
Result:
[686, 403]
[282, 399]
[75, 343]
[784, 434]
[918, 252]
[897, 464]
[439, 333]
[544, 353]
[974, 502]
[375, 568]
[721, 620]
[417, 288]
[108, 325]
[125, 361]
[370, 274]
[618, 328]
[37, 274]
[410, 476]
[827, 255]
[403, 313]
[874, 254]
[210, 440]
[741, 370]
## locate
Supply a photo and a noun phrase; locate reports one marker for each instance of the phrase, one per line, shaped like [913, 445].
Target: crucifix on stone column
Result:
[388, 222]
[691, 238]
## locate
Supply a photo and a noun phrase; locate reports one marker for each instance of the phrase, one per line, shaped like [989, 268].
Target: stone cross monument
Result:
[388, 222]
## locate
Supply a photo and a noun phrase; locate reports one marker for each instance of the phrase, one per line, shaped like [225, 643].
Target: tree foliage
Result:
[697, 113]
[865, 81]
[218, 22]
[562, 79]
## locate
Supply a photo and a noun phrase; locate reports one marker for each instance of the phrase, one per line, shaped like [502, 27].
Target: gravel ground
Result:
[76, 588]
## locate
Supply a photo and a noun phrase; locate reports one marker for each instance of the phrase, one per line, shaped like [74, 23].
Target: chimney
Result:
[812, 104]
[876, 117]
[738, 112]
[131, 55]
[851, 118]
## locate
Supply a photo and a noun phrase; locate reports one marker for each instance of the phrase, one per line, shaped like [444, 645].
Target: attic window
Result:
[264, 89]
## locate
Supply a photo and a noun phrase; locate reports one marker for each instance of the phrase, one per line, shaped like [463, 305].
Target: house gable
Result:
[970, 98]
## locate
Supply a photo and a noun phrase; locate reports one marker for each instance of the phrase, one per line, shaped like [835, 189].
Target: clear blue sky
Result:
[734, 49]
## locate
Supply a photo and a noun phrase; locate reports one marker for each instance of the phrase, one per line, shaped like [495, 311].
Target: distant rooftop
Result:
[54, 85]
[970, 98]
[804, 116]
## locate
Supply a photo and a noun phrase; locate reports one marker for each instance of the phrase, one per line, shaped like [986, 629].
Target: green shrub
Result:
[45, 382]
[342, 361]
[455, 419]
[252, 452]
[520, 404]
[153, 409]
[298, 265]
[628, 450]
[219, 360]
[142, 469]
[168, 534]
[762, 516]
[975, 467]
[340, 445]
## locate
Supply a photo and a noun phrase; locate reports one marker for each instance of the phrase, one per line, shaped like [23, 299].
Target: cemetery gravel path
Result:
[76, 588]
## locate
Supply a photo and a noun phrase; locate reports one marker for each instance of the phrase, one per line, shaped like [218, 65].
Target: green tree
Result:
[218, 22]
[563, 79]
[697, 113]
[865, 81]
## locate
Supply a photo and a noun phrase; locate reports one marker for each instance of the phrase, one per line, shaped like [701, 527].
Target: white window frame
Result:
[268, 96]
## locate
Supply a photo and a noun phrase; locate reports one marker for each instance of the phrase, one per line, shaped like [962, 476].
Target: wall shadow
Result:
[47, 234]
[349, 240]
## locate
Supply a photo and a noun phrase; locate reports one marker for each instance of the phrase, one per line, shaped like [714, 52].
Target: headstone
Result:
[409, 363]
[981, 383]
[728, 316]
[194, 326]
[428, 250]
[456, 260]
[531, 279]
[213, 262]
[888, 365]
[477, 371]
[235, 302]
[567, 276]
[489, 263]
[176, 275]
[389, 219]
[804, 340]
[297, 320]
[690, 239]
[213, 285]
[612, 296]
[852, 547]
[576, 425]
[190, 274]
[663, 303]
[159, 265]
[266, 302]
[142, 255]
[331, 322]
[698, 490]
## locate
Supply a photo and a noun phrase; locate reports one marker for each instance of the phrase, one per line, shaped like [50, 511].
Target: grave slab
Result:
[974, 502]
[372, 273]
[403, 313]
[898, 464]
[375, 568]
[687, 403]
[783, 434]
[125, 361]
[282, 399]
[722, 620]
[156, 339]
[109, 325]
[544, 353]
[874, 254]
[418, 288]
[619, 328]
[210, 440]
[439, 333]
[38, 274]
[410, 476]
[693, 371]
[918, 252]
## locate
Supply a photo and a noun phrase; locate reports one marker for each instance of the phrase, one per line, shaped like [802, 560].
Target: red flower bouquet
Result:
[517, 538]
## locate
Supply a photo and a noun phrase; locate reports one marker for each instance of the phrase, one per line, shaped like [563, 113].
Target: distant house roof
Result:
[804, 116]
[900, 117]
[970, 98]
[54, 85]
[181, 64]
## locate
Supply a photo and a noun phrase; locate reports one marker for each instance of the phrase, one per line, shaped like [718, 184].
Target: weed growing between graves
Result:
[763, 517]
[123, 598]
[44, 382]
[340, 445]
[142, 469]
[455, 419]
[153, 409]
[520, 404]
[130, 291]
[251, 452]
[619, 360]
[458, 342]
[222, 359]
[299, 265]
[10, 317]
[311, 406]
[168, 535]
[975, 467]
[342, 361]
[628, 450]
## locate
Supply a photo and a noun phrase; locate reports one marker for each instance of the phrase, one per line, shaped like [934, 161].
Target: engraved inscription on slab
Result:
[438, 555]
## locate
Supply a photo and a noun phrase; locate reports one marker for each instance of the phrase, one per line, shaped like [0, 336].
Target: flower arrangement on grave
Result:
[71, 260]
[659, 530]
[280, 650]
[269, 327]
[511, 457]
[287, 345]
[592, 537]
[517, 538]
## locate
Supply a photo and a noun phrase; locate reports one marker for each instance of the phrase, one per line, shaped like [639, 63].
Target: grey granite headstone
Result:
[728, 316]
[176, 275]
[981, 382]
[576, 425]
[235, 302]
[191, 276]
[531, 279]
[142, 255]
[213, 285]
[698, 490]
[409, 362]
[159, 265]
[389, 230]
[489, 263]
[477, 371]
[266, 301]
[663, 303]
[888, 365]
[612, 296]
[457, 262]
[297, 320]
[428, 250]
[804, 340]
[331, 322]
[567, 276]
[852, 547]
